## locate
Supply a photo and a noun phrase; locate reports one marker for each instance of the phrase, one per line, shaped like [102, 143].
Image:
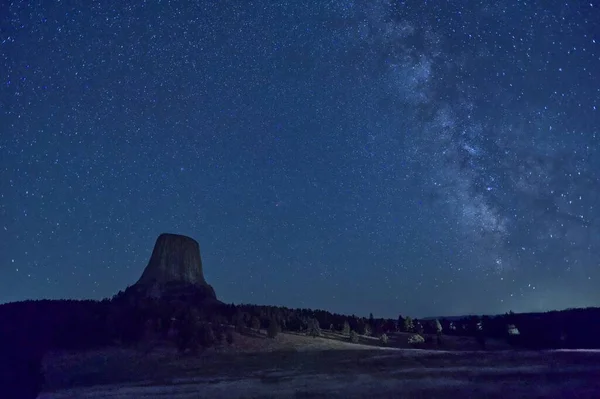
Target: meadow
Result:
[297, 366]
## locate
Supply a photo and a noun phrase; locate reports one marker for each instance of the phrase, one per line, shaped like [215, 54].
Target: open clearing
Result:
[301, 367]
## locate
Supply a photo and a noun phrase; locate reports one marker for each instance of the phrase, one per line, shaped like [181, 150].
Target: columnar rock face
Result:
[174, 258]
[175, 264]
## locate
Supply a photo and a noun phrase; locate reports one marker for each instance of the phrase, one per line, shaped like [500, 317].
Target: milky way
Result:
[424, 158]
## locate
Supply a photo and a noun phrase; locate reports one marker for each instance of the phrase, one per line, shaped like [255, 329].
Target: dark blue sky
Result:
[423, 158]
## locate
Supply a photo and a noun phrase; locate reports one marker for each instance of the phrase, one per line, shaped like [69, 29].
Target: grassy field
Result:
[294, 366]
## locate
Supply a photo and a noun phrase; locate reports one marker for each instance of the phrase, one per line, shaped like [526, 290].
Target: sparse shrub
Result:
[346, 329]
[480, 334]
[408, 324]
[206, 335]
[238, 321]
[229, 338]
[562, 339]
[416, 339]
[480, 338]
[219, 334]
[367, 330]
[255, 323]
[353, 336]
[187, 330]
[313, 329]
[273, 329]
[384, 339]
[240, 326]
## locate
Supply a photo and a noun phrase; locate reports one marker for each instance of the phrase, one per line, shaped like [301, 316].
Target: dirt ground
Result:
[292, 366]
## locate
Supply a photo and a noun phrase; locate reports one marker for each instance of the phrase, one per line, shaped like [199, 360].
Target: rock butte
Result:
[175, 265]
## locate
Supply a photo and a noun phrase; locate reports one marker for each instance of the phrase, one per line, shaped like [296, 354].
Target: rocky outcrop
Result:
[175, 270]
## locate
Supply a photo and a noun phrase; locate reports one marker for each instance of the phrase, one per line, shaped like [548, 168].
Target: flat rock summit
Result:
[174, 258]
[175, 270]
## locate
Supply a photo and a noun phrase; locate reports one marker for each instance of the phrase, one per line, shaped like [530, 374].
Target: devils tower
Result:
[175, 270]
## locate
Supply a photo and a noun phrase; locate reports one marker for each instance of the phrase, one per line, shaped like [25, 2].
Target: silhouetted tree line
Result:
[28, 329]
[568, 329]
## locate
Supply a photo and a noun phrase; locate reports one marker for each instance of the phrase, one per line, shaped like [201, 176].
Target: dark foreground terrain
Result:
[340, 373]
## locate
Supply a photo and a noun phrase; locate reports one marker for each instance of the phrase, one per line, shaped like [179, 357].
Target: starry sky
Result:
[415, 157]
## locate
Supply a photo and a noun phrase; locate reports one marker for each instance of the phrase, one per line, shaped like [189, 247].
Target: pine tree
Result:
[346, 329]
[255, 323]
[438, 327]
[384, 339]
[238, 322]
[400, 323]
[273, 329]
[438, 331]
[314, 329]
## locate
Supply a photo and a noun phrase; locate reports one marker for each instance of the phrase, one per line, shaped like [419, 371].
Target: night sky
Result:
[424, 158]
